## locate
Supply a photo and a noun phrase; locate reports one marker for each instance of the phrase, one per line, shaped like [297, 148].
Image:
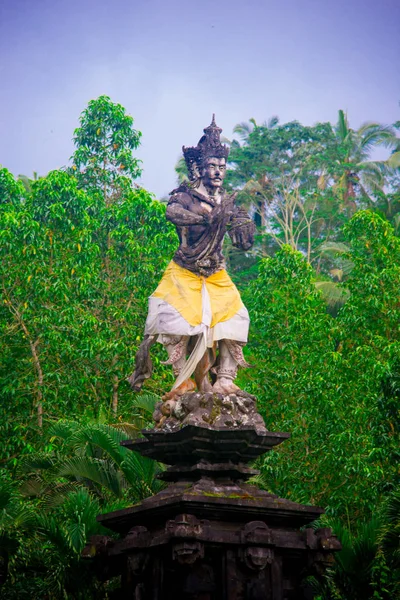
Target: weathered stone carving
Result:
[257, 558]
[196, 311]
[209, 409]
[186, 553]
[210, 534]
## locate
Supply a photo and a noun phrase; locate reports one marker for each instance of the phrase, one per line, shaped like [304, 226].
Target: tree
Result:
[73, 305]
[181, 170]
[27, 181]
[353, 148]
[90, 456]
[41, 547]
[49, 512]
[11, 191]
[15, 521]
[321, 377]
[44, 243]
[131, 234]
[302, 183]
[243, 130]
[272, 152]
[103, 162]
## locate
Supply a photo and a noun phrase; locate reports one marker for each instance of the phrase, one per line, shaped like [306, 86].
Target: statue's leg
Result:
[176, 346]
[226, 371]
[230, 358]
[201, 373]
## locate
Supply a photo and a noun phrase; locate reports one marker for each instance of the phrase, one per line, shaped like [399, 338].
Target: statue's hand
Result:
[242, 234]
[233, 196]
[244, 238]
[215, 216]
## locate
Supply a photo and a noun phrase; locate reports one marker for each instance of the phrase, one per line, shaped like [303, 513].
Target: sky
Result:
[172, 63]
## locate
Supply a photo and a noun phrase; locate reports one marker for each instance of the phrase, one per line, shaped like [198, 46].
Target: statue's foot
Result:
[205, 385]
[225, 386]
[187, 386]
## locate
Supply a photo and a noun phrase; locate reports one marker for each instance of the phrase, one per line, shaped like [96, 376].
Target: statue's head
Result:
[207, 160]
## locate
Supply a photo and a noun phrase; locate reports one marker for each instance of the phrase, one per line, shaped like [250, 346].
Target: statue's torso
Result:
[200, 249]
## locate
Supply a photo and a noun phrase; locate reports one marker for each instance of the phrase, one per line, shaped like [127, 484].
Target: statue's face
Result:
[213, 172]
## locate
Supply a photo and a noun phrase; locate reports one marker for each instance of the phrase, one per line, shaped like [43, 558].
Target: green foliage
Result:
[46, 523]
[303, 183]
[58, 203]
[103, 161]
[46, 561]
[88, 455]
[75, 282]
[321, 378]
[80, 252]
[11, 191]
[367, 567]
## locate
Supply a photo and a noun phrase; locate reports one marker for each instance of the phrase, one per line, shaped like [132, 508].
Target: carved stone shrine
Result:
[210, 535]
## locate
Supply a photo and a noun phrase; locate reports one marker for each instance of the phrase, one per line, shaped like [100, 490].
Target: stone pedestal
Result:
[210, 535]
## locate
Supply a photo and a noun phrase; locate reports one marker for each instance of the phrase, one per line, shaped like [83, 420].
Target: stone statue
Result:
[196, 311]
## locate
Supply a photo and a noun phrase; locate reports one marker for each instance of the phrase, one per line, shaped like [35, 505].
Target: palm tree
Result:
[243, 130]
[368, 566]
[44, 547]
[256, 191]
[353, 149]
[351, 575]
[61, 537]
[389, 535]
[181, 171]
[46, 522]
[333, 290]
[90, 456]
[16, 519]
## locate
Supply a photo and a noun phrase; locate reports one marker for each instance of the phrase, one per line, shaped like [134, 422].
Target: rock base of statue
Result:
[211, 409]
[210, 535]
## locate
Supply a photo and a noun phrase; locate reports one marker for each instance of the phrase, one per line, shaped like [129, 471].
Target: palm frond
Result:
[105, 438]
[335, 295]
[333, 248]
[181, 170]
[37, 462]
[132, 430]
[54, 494]
[101, 472]
[80, 510]
[50, 529]
[394, 160]
[146, 402]
[63, 429]
[244, 129]
[24, 517]
[375, 134]
[272, 122]
[342, 126]
[140, 473]
[389, 535]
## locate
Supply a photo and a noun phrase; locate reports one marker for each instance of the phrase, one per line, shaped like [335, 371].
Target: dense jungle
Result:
[83, 247]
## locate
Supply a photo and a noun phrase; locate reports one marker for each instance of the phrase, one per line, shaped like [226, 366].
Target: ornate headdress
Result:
[209, 146]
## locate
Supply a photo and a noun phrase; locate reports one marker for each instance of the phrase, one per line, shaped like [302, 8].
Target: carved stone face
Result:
[213, 172]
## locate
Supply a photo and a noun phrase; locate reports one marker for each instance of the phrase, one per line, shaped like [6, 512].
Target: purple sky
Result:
[172, 63]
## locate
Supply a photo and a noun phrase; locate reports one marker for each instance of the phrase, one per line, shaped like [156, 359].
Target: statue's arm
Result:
[179, 215]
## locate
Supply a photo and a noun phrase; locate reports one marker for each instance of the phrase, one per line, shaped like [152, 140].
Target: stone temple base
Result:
[210, 535]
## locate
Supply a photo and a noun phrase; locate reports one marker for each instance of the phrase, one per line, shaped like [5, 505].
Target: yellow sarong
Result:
[182, 290]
